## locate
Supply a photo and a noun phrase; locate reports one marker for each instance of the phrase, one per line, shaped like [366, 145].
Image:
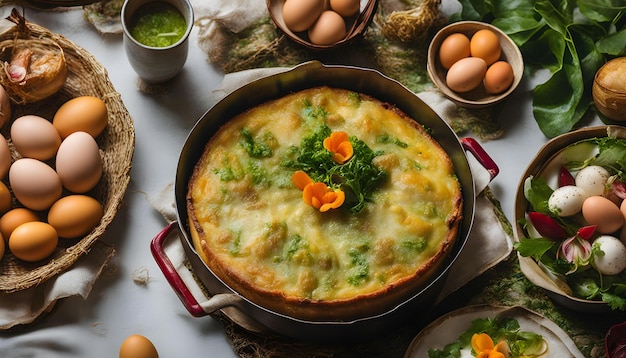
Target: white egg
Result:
[613, 259]
[567, 200]
[592, 179]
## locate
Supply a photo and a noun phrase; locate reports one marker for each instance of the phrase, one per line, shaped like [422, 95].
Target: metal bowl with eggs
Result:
[322, 24]
[583, 236]
[474, 64]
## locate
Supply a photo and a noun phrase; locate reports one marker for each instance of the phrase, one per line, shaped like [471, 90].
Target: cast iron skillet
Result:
[312, 74]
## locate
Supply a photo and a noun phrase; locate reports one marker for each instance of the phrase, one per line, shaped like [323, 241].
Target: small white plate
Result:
[449, 327]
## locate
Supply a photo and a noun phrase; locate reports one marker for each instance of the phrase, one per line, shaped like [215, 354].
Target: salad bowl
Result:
[577, 284]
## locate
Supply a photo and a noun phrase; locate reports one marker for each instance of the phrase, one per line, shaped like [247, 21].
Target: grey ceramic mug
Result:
[156, 64]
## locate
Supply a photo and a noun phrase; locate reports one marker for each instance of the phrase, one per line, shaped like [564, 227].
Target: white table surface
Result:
[117, 307]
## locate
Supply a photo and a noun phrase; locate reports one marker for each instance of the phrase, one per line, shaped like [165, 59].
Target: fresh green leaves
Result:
[572, 39]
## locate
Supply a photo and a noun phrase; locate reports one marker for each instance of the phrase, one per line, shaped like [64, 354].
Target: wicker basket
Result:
[86, 76]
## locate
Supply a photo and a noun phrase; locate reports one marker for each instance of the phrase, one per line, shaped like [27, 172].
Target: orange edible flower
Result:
[484, 347]
[317, 194]
[301, 179]
[321, 197]
[339, 144]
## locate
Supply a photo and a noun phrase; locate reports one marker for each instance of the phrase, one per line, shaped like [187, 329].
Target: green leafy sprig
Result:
[358, 177]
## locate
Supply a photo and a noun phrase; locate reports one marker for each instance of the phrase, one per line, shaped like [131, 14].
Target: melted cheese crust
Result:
[249, 222]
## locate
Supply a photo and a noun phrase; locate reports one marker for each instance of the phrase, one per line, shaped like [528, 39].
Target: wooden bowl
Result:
[355, 25]
[476, 98]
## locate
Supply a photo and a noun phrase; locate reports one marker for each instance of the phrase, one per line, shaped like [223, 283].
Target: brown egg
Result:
[455, 47]
[5, 157]
[499, 77]
[299, 15]
[5, 198]
[598, 210]
[86, 113]
[33, 241]
[35, 137]
[14, 218]
[35, 184]
[75, 215]
[2, 248]
[137, 346]
[78, 162]
[466, 74]
[329, 28]
[5, 107]
[345, 8]
[486, 45]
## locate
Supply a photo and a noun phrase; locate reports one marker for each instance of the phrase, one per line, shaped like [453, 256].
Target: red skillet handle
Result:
[471, 145]
[168, 269]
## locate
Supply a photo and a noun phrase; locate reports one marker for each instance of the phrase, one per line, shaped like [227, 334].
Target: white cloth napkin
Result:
[487, 244]
[25, 306]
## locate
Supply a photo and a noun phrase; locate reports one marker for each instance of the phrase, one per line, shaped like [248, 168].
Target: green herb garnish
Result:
[358, 177]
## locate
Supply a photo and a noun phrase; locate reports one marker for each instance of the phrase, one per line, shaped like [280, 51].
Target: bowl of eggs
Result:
[322, 24]
[570, 219]
[474, 64]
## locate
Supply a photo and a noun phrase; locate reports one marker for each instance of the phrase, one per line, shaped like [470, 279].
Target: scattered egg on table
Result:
[592, 179]
[75, 215]
[600, 211]
[567, 200]
[35, 137]
[299, 15]
[14, 218]
[78, 162]
[613, 259]
[138, 346]
[453, 48]
[498, 77]
[5, 198]
[5, 107]
[33, 241]
[35, 184]
[5, 156]
[486, 45]
[345, 8]
[85, 113]
[466, 74]
[329, 28]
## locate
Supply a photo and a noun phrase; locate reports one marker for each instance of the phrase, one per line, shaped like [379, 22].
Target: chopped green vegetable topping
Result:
[360, 270]
[256, 147]
[388, 139]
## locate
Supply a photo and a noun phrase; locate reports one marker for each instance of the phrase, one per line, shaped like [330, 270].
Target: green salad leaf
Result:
[570, 38]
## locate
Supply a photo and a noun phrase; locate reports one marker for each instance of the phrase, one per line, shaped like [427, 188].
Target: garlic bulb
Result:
[33, 68]
[609, 89]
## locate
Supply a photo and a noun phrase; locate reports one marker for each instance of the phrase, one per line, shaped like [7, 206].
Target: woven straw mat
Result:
[86, 76]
